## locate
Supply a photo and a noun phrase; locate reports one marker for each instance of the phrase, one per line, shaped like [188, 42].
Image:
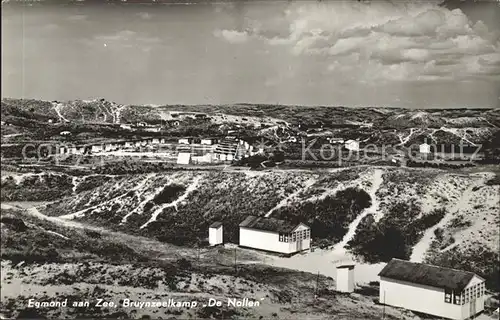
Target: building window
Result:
[447, 296]
[281, 238]
[286, 238]
[308, 234]
[294, 237]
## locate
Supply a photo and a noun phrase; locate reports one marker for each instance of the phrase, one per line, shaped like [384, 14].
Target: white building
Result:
[274, 235]
[345, 277]
[424, 148]
[126, 126]
[438, 291]
[207, 141]
[215, 233]
[352, 145]
[153, 129]
[96, 148]
[184, 158]
[184, 141]
[336, 140]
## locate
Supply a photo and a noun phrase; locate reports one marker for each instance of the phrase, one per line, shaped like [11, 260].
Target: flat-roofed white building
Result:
[215, 233]
[443, 292]
[184, 158]
[207, 141]
[274, 235]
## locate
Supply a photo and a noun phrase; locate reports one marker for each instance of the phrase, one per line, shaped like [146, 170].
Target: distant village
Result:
[184, 150]
[230, 148]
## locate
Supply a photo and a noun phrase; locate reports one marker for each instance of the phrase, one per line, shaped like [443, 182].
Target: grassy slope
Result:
[410, 203]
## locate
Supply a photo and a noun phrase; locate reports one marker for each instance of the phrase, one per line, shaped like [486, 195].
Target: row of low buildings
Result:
[109, 146]
[442, 292]
[219, 150]
[187, 150]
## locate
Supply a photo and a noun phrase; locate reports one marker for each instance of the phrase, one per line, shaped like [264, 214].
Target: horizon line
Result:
[154, 105]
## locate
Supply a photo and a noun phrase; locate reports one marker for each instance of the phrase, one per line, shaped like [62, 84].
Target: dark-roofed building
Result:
[442, 292]
[274, 235]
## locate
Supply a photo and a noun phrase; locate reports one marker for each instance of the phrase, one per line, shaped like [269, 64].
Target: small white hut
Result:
[215, 233]
[345, 277]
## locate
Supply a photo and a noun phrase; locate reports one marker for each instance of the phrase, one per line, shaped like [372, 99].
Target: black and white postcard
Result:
[250, 159]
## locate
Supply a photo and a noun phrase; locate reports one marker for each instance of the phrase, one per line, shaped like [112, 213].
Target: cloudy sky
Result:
[401, 53]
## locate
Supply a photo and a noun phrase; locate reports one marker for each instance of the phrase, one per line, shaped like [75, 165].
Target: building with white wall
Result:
[215, 233]
[274, 235]
[438, 291]
[184, 158]
[207, 141]
[424, 148]
[184, 141]
[345, 277]
[96, 148]
[352, 145]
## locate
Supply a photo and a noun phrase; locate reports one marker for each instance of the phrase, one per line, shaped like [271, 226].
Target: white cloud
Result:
[127, 36]
[78, 17]
[233, 36]
[144, 15]
[396, 41]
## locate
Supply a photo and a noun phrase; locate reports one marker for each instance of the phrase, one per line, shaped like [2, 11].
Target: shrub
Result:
[168, 194]
[395, 235]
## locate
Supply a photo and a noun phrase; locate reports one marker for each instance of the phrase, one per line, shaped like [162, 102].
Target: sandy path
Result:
[285, 201]
[421, 248]
[192, 187]
[377, 181]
